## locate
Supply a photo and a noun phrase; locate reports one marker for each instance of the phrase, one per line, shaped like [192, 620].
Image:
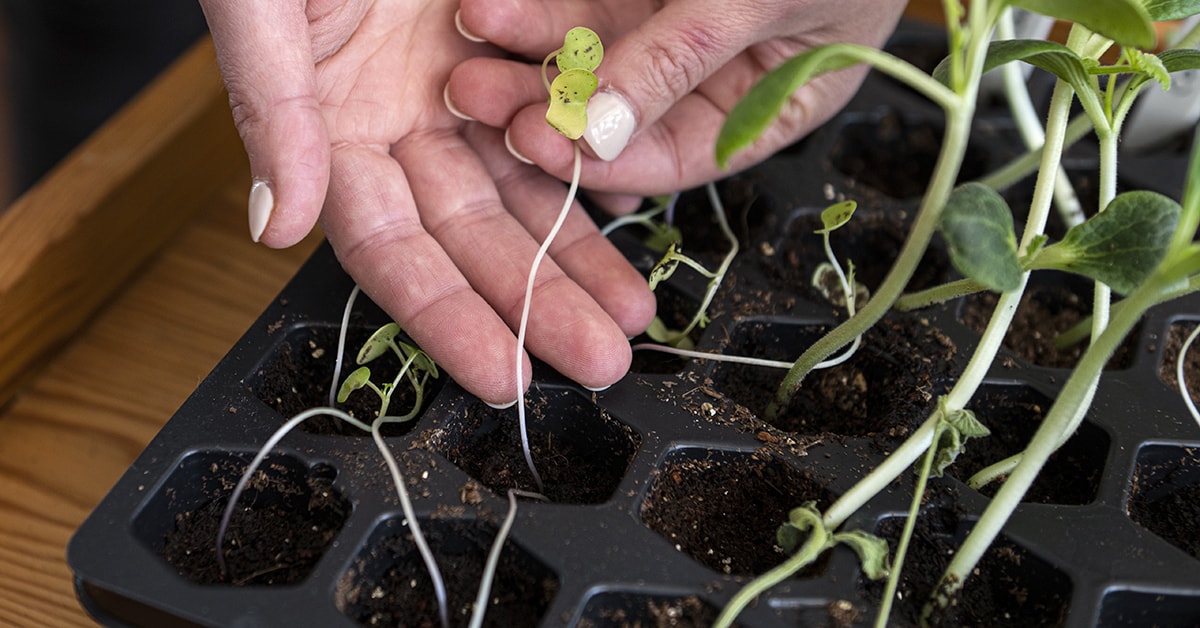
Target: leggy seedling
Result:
[577, 60]
[1165, 267]
[418, 369]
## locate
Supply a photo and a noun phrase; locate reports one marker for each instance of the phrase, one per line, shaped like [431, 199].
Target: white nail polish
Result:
[450, 105]
[502, 406]
[513, 151]
[462, 29]
[610, 124]
[598, 389]
[262, 202]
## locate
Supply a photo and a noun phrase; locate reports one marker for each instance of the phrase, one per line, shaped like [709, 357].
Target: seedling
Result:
[417, 368]
[380, 343]
[1140, 244]
[579, 56]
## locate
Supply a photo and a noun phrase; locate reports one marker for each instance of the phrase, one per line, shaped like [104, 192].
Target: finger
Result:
[372, 223]
[266, 59]
[566, 327]
[587, 257]
[616, 204]
[534, 28]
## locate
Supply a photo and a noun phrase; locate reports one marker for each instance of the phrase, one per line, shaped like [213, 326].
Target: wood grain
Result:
[76, 428]
[81, 232]
[124, 278]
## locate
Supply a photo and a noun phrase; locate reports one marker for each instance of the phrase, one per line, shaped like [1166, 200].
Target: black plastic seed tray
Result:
[665, 490]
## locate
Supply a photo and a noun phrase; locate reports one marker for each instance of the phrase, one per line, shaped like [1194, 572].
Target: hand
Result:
[340, 106]
[680, 66]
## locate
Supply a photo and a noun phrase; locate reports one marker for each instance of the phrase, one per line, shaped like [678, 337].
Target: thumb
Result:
[652, 67]
[265, 53]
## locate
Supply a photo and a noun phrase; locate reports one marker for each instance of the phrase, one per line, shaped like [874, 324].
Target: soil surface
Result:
[297, 377]
[887, 388]
[581, 453]
[1010, 588]
[1166, 498]
[693, 497]
[637, 611]
[1046, 310]
[276, 536]
[1191, 363]
[390, 586]
[1071, 475]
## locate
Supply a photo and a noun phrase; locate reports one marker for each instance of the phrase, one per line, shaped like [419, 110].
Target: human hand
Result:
[677, 66]
[340, 106]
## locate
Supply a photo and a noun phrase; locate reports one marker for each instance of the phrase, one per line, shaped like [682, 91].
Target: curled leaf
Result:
[569, 94]
[379, 343]
[872, 552]
[353, 382]
[836, 215]
[581, 49]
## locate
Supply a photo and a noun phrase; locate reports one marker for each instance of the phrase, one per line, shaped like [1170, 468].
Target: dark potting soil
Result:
[1013, 414]
[390, 586]
[698, 502]
[896, 157]
[1045, 311]
[297, 377]
[1165, 498]
[887, 388]
[1007, 589]
[581, 453]
[1191, 362]
[275, 537]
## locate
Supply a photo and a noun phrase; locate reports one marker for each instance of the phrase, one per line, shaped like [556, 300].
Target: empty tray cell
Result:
[1165, 496]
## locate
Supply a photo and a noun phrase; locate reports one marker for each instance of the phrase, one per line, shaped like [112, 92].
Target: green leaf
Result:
[1167, 10]
[581, 50]
[836, 215]
[978, 228]
[1151, 66]
[1121, 245]
[665, 267]
[659, 332]
[1179, 59]
[421, 361]
[379, 343]
[967, 425]
[1050, 56]
[760, 106]
[662, 236]
[569, 94]
[1126, 22]
[353, 382]
[872, 552]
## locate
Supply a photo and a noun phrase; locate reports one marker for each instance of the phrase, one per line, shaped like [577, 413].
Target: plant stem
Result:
[938, 294]
[493, 559]
[818, 540]
[1179, 378]
[1045, 441]
[537, 261]
[439, 585]
[991, 339]
[341, 346]
[910, 524]
[1020, 167]
[959, 113]
[1030, 128]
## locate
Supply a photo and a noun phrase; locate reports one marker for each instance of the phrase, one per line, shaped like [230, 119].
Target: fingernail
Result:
[513, 151]
[450, 105]
[262, 202]
[462, 30]
[598, 389]
[610, 124]
[501, 406]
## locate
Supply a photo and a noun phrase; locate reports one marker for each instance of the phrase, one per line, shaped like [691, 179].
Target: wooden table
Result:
[124, 277]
